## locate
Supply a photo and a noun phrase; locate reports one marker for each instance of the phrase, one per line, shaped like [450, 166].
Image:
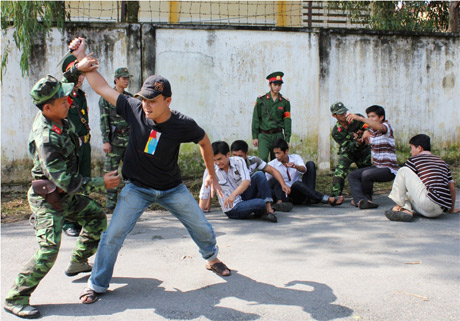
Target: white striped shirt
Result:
[383, 148]
[435, 175]
[228, 181]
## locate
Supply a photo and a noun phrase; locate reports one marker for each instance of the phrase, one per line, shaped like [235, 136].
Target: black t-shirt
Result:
[153, 149]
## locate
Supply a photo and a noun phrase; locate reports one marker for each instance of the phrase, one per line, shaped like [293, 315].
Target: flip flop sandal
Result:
[336, 199]
[365, 204]
[399, 216]
[219, 268]
[89, 296]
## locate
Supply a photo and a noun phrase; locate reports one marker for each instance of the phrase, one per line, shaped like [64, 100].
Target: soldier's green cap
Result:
[276, 77]
[338, 108]
[49, 88]
[122, 72]
[68, 62]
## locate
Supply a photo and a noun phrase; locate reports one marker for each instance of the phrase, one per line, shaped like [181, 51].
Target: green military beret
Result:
[122, 72]
[276, 77]
[49, 88]
[68, 62]
[338, 108]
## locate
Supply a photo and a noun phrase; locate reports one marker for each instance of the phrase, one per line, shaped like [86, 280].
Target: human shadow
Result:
[148, 293]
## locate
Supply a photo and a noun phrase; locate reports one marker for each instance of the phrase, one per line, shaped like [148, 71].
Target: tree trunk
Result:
[454, 16]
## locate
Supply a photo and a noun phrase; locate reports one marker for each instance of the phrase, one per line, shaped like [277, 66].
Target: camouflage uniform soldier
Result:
[352, 147]
[55, 195]
[271, 116]
[78, 115]
[115, 132]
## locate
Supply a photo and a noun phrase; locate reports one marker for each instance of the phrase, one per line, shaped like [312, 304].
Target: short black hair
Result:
[239, 145]
[421, 140]
[281, 144]
[376, 109]
[220, 147]
[50, 101]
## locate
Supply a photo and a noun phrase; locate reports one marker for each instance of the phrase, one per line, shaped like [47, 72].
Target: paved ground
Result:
[317, 263]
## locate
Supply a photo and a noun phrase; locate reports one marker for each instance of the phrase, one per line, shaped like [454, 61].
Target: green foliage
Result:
[29, 20]
[428, 16]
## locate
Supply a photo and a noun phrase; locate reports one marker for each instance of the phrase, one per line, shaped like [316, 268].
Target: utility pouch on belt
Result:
[48, 191]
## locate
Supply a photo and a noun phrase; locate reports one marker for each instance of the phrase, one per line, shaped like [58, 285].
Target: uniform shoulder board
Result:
[286, 98]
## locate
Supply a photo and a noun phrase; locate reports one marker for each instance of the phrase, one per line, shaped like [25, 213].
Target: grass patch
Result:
[15, 206]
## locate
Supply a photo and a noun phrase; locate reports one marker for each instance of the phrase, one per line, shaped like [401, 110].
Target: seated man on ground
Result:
[385, 165]
[424, 185]
[259, 184]
[291, 167]
[234, 179]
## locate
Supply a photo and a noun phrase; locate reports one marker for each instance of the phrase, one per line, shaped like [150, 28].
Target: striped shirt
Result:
[383, 148]
[255, 163]
[435, 175]
[228, 181]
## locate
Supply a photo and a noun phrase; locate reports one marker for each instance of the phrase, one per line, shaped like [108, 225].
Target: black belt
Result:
[271, 131]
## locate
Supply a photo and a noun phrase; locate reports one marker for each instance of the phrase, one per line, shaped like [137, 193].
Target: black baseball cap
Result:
[155, 85]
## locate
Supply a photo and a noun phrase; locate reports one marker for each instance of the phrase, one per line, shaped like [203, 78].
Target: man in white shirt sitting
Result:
[259, 184]
[234, 179]
[291, 167]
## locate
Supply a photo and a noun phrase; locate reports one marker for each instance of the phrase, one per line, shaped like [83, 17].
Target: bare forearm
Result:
[207, 155]
[241, 188]
[453, 194]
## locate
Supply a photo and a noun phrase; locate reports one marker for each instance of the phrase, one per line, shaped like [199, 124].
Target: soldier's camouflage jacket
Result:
[345, 138]
[54, 151]
[115, 130]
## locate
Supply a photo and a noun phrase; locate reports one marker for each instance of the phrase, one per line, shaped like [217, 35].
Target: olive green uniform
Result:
[269, 120]
[115, 130]
[54, 150]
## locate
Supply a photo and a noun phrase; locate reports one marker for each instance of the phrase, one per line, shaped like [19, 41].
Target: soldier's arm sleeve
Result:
[255, 120]
[105, 124]
[345, 140]
[55, 167]
[71, 75]
[287, 121]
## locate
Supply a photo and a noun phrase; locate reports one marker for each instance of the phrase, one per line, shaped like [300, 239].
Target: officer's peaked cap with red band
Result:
[276, 77]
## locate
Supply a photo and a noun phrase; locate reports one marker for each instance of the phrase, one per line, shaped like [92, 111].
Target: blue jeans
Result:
[244, 209]
[132, 202]
[259, 188]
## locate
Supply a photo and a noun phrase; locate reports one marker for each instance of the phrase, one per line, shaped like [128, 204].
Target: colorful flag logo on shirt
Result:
[152, 143]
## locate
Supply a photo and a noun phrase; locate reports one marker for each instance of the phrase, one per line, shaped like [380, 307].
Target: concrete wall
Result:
[217, 74]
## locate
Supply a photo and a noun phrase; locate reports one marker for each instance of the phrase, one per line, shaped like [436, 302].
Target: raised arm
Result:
[372, 123]
[89, 65]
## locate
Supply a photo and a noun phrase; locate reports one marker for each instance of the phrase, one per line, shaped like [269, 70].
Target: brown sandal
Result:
[88, 296]
[219, 268]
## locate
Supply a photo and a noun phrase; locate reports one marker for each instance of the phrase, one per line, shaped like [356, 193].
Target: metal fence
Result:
[293, 14]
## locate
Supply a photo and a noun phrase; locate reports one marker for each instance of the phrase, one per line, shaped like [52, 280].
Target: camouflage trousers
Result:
[111, 163]
[48, 230]
[361, 159]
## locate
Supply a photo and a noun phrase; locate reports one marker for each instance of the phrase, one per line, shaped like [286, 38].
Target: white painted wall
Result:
[216, 76]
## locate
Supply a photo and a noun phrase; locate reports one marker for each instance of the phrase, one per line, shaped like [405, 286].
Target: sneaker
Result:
[283, 206]
[365, 204]
[399, 216]
[75, 268]
[22, 311]
[269, 217]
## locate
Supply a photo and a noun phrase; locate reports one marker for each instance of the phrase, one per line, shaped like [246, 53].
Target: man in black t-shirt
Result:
[151, 170]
